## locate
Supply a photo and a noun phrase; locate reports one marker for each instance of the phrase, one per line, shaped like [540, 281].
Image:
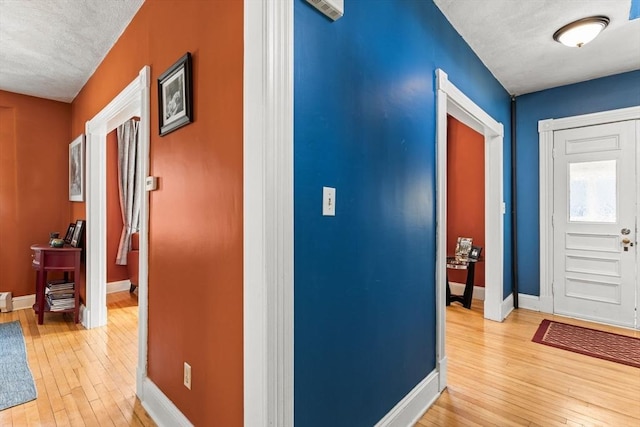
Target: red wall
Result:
[195, 253]
[465, 192]
[115, 272]
[34, 182]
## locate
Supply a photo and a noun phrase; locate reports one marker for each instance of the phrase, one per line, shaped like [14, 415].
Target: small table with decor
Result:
[469, 264]
[48, 259]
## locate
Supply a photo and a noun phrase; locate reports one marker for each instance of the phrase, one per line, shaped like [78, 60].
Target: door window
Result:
[592, 191]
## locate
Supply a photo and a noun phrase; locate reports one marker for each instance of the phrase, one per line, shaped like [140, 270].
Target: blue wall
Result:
[364, 122]
[608, 93]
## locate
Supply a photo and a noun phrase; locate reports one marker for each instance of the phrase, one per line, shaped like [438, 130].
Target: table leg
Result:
[40, 296]
[468, 288]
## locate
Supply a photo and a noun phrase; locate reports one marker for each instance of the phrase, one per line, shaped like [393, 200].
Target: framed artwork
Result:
[175, 103]
[76, 170]
[69, 236]
[76, 240]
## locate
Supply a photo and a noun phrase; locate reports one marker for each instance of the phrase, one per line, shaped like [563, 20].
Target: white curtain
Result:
[128, 176]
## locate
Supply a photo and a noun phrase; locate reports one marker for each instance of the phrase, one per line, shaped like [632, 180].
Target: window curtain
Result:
[128, 176]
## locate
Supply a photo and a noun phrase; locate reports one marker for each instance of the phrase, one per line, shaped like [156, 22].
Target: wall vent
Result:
[334, 9]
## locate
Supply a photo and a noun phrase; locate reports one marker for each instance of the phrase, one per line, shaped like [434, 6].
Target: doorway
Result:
[585, 270]
[465, 204]
[133, 101]
[451, 101]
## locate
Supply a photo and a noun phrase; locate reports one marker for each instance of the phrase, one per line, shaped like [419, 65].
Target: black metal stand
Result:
[466, 298]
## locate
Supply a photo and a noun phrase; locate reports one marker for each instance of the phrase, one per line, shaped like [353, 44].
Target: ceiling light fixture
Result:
[581, 32]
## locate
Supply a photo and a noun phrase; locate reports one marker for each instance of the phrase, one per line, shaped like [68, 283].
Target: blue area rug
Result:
[16, 381]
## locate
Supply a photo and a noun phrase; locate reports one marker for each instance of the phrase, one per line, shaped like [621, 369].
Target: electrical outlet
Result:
[187, 375]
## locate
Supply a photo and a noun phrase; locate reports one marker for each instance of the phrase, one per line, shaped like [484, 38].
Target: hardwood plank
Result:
[83, 377]
[498, 376]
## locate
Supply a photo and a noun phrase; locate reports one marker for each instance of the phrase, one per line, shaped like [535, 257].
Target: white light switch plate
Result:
[328, 201]
[151, 183]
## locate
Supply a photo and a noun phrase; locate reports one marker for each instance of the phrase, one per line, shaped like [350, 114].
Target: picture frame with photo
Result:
[175, 96]
[474, 254]
[76, 170]
[463, 247]
[69, 236]
[78, 231]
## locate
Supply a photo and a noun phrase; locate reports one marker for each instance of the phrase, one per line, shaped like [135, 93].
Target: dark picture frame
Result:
[76, 170]
[475, 253]
[76, 240]
[175, 96]
[69, 236]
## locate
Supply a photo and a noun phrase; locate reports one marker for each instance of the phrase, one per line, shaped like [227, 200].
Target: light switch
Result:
[151, 183]
[328, 201]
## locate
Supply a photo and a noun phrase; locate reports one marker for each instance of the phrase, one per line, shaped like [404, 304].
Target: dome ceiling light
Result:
[581, 32]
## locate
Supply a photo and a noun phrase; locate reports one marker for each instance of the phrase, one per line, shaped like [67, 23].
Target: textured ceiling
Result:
[514, 39]
[50, 48]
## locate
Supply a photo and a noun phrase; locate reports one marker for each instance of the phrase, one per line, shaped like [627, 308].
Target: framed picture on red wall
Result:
[76, 170]
[175, 103]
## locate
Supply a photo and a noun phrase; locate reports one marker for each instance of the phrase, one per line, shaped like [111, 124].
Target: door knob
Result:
[626, 241]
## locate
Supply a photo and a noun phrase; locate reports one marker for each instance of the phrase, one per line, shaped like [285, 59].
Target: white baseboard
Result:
[529, 302]
[23, 302]
[409, 410]
[458, 289]
[119, 286]
[507, 307]
[442, 373]
[160, 408]
[84, 314]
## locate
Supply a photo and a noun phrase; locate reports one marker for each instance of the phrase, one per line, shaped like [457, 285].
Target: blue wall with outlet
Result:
[364, 123]
[608, 93]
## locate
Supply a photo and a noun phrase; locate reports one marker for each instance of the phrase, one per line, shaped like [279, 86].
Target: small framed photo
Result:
[69, 236]
[76, 170]
[76, 240]
[463, 247]
[175, 103]
[474, 254]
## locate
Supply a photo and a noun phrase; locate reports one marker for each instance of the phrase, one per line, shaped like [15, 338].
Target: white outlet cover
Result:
[328, 201]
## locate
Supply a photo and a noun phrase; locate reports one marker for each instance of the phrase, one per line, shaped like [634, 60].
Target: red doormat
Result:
[603, 345]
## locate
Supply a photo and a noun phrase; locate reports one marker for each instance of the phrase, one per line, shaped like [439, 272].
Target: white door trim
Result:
[268, 213]
[450, 100]
[133, 101]
[545, 130]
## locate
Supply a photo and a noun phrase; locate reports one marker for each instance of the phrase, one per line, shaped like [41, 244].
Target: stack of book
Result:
[60, 295]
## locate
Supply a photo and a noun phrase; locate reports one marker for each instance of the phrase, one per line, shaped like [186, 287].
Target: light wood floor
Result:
[498, 377]
[83, 377]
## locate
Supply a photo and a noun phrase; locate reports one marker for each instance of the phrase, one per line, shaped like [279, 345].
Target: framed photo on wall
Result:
[175, 103]
[76, 170]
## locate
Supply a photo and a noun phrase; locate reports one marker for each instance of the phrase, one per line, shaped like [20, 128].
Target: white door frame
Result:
[268, 213]
[451, 101]
[545, 130]
[133, 101]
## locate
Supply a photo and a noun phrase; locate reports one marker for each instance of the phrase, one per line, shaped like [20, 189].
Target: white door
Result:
[595, 196]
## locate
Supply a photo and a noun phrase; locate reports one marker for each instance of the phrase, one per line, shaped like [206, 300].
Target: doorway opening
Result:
[133, 101]
[450, 101]
[465, 211]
